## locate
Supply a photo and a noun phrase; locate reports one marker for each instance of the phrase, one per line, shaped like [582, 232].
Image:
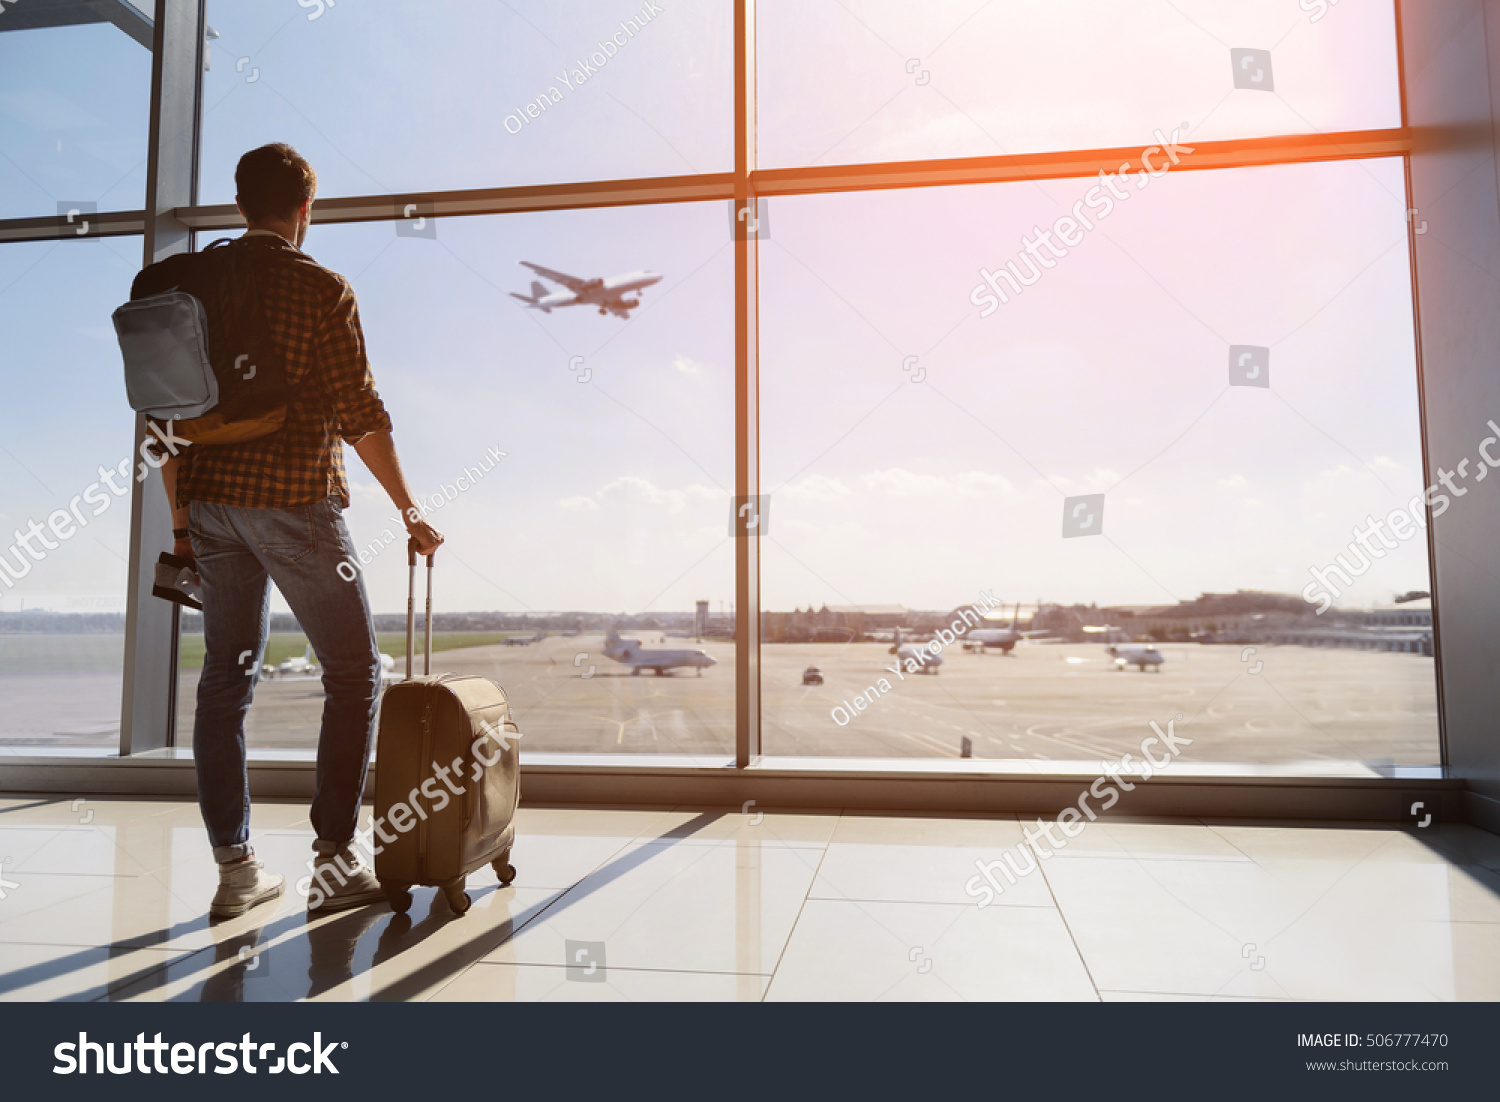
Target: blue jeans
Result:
[240, 553]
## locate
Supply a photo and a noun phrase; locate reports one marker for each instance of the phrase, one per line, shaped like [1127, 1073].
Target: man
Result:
[271, 510]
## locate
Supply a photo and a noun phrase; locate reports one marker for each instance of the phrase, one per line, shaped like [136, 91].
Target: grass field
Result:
[284, 645]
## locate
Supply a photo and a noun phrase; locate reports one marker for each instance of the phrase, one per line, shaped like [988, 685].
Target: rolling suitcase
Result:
[447, 779]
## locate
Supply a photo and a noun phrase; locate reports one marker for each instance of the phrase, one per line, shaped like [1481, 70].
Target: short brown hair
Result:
[274, 181]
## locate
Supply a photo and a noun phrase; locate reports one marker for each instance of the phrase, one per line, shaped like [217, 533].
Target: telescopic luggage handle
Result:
[411, 612]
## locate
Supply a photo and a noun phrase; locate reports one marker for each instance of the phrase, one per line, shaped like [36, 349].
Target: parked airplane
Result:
[524, 640]
[292, 667]
[1004, 638]
[305, 667]
[926, 661]
[607, 294]
[629, 652]
[388, 669]
[1126, 653]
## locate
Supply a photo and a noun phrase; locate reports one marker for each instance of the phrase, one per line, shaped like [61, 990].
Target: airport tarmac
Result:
[1042, 703]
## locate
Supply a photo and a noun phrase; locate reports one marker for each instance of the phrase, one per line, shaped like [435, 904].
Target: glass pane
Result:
[391, 96]
[75, 104]
[1228, 361]
[961, 78]
[65, 512]
[610, 503]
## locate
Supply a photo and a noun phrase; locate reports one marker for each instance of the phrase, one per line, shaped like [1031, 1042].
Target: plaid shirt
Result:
[314, 324]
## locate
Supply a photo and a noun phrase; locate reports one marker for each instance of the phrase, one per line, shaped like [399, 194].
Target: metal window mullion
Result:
[149, 698]
[746, 377]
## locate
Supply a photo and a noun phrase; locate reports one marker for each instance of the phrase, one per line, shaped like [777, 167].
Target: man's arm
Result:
[377, 450]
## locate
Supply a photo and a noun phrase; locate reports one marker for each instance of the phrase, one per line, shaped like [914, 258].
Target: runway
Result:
[1043, 703]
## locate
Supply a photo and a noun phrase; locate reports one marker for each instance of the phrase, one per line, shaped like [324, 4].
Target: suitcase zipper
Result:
[427, 757]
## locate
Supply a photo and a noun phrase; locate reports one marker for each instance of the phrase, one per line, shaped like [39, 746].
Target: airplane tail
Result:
[1015, 619]
[538, 292]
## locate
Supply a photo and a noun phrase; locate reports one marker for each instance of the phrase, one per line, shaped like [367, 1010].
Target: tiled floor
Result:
[107, 899]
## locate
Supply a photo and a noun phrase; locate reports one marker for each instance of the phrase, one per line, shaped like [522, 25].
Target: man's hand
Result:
[428, 538]
[379, 454]
[183, 549]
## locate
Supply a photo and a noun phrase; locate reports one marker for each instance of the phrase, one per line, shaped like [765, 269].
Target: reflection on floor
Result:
[107, 899]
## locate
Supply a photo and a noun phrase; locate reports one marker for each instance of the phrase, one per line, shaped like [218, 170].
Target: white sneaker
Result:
[340, 881]
[242, 885]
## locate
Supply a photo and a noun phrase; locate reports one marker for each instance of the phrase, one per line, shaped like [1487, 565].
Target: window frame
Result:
[173, 217]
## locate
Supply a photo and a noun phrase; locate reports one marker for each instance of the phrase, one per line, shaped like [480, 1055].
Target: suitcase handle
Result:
[411, 612]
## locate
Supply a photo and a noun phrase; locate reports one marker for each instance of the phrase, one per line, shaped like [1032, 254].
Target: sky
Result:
[1110, 375]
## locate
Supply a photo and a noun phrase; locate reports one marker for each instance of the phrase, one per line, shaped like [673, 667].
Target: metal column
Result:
[148, 708]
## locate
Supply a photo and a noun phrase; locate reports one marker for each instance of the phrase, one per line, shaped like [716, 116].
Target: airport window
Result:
[582, 471]
[68, 468]
[1134, 448]
[961, 79]
[920, 452]
[392, 96]
[74, 107]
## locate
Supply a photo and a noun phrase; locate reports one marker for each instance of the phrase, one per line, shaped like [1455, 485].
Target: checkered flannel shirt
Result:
[314, 324]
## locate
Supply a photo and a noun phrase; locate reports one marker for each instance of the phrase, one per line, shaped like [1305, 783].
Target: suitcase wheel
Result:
[458, 899]
[397, 895]
[504, 870]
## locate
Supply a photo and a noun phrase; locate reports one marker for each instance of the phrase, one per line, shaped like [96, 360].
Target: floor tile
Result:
[696, 826]
[1174, 997]
[1307, 929]
[86, 850]
[107, 899]
[626, 823]
[166, 908]
[924, 951]
[369, 953]
[487, 982]
[560, 860]
[703, 908]
[1161, 840]
[70, 973]
[935, 861]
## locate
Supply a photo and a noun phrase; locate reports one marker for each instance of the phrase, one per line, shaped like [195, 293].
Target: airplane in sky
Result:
[926, 661]
[1126, 653]
[607, 294]
[629, 652]
[1005, 638]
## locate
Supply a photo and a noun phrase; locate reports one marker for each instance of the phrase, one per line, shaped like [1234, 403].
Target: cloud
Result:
[1233, 482]
[687, 366]
[639, 491]
[898, 482]
[1097, 482]
[367, 493]
[817, 487]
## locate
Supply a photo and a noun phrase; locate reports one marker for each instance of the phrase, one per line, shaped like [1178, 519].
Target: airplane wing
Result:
[572, 283]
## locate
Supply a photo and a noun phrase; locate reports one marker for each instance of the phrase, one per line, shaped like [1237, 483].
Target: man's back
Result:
[312, 319]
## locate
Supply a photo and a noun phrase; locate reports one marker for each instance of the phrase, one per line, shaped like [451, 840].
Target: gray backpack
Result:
[197, 347]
